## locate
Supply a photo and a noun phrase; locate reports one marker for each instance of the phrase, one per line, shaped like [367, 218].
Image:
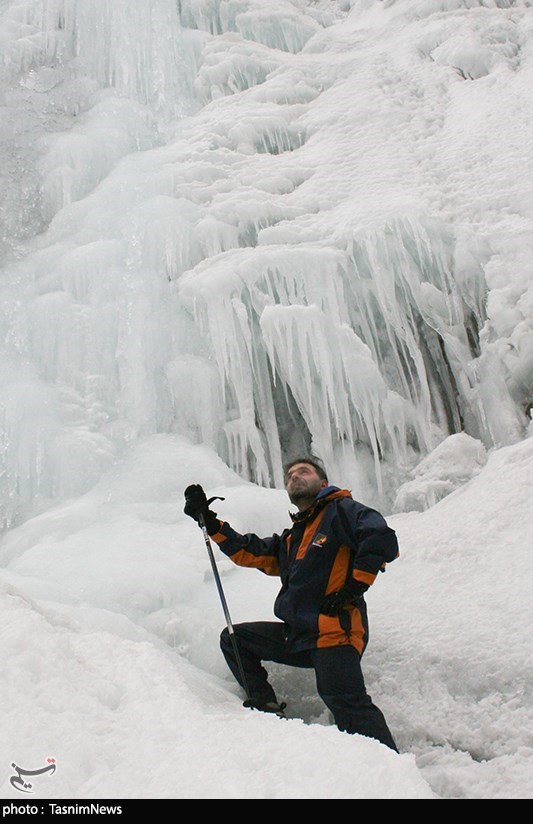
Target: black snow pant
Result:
[339, 678]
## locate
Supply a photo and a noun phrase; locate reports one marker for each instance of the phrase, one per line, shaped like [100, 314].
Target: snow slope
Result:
[111, 661]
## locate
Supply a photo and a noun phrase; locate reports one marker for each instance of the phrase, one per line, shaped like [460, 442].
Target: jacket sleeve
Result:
[372, 542]
[249, 550]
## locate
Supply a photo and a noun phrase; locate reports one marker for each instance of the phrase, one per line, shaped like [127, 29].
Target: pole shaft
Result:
[224, 603]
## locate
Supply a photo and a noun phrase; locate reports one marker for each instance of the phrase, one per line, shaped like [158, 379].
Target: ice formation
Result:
[456, 460]
[269, 228]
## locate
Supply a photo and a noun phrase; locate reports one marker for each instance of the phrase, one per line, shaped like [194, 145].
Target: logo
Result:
[19, 784]
[320, 540]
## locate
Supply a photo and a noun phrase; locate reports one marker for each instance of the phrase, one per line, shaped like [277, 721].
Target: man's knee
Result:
[225, 640]
[228, 641]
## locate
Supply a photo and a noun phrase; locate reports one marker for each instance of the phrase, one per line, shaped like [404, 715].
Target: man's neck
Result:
[304, 505]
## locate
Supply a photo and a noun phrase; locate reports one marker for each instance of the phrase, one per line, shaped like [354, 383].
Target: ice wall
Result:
[269, 228]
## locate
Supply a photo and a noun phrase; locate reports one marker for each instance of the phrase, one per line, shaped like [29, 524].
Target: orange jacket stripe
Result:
[309, 532]
[269, 564]
[364, 577]
[340, 493]
[331, 634]
[357, 632]
[339, 570]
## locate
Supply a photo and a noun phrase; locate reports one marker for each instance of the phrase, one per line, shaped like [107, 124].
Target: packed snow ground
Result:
[312, 191]
[111, 664]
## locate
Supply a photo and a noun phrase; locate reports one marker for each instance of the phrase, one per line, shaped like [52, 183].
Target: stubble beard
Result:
[302, 496]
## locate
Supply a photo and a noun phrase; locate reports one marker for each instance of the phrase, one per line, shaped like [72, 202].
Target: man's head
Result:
[304, 478]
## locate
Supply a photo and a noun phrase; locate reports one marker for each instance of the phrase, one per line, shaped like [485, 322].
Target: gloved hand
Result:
[335, 602]
[195, 501]
[196, 504]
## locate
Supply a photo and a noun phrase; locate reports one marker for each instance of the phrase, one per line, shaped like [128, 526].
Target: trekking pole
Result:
[229, 624]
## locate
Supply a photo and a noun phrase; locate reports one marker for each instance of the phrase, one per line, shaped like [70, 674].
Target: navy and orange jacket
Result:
[335, 541]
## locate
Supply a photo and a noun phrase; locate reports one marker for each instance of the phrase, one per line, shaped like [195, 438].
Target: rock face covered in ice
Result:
[270, 228]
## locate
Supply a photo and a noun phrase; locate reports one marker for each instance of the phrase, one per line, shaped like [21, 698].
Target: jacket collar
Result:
[329, 493]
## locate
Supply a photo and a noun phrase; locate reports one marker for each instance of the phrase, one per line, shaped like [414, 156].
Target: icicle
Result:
[235, 285]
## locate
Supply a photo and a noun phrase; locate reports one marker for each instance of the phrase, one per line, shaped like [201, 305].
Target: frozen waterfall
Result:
[272, 228]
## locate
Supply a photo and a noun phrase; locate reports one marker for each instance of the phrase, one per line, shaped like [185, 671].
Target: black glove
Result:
[197, 504]
[195, 501]
[337, 601]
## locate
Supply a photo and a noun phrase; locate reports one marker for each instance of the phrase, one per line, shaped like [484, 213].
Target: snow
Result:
[233, 232]
[451, 464]
[110, 646]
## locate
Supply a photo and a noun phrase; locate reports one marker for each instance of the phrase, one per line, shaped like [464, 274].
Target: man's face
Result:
[303, 484]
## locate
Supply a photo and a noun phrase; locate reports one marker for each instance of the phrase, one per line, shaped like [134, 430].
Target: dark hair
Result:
[321, 472]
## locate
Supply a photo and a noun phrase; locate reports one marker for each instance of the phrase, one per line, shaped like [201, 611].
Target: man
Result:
[326, 561]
